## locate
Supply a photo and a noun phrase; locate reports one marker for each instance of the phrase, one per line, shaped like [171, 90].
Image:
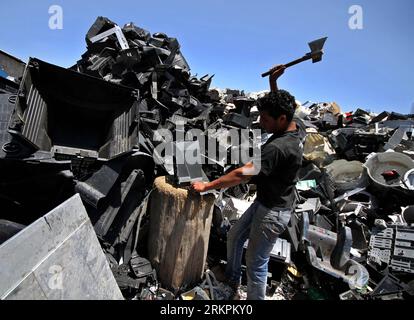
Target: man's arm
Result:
[233, 178]
[277, 72]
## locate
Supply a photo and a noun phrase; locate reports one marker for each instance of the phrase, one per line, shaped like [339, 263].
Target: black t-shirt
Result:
[281, 159]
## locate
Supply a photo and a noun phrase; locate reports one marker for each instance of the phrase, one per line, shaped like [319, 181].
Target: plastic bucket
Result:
[409, 179]
[381, 162]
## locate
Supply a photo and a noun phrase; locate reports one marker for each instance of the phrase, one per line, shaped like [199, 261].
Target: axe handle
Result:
[304, 58]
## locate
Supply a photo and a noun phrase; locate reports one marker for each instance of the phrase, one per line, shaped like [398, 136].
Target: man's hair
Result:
[278, 103]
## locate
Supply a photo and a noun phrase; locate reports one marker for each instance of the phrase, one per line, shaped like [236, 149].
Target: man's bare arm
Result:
[233, 178]
[277, 72]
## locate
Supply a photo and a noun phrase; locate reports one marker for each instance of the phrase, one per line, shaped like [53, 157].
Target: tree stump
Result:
[180, 223]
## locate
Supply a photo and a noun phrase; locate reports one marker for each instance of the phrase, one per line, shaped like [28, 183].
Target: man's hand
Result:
[277, 71]
[198, 186]
[233, 178]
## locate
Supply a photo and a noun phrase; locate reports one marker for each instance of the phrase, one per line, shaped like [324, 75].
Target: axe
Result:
[315, 54]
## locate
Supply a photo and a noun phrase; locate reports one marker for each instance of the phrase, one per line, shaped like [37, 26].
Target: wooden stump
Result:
[179, 232]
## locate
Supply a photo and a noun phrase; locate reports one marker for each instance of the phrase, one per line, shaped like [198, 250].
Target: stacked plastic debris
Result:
[351, 235]
[153, 64]
[93, 130]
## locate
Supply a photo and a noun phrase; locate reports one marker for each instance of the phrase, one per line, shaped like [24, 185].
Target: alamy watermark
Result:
[56, 17]
[356, 21]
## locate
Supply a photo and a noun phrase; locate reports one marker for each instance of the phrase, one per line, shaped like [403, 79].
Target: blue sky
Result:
[372, 68]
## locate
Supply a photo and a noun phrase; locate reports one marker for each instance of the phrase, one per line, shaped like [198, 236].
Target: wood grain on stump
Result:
[179, 232]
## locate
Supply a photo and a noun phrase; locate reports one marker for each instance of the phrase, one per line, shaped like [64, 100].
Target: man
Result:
[269, 215]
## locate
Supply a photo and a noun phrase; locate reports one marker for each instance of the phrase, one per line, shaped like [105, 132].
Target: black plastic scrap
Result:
[71, 114]
[93, 129]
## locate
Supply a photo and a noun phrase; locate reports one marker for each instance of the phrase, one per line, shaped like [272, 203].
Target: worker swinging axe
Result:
[315, 54]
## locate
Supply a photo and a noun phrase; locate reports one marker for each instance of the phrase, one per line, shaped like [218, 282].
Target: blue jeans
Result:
[262, 227]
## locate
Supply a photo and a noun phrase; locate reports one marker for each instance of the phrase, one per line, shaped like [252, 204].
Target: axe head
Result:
[316, 49]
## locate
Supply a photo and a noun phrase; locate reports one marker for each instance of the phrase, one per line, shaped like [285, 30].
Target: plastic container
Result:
[409, 179]
[347, 175]
[381, 162]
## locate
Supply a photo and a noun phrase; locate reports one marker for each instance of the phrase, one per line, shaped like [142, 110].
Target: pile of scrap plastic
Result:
[352, 233]
[93, 130]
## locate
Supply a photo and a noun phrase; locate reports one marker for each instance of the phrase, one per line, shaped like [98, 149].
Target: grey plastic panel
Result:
[57, 257]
